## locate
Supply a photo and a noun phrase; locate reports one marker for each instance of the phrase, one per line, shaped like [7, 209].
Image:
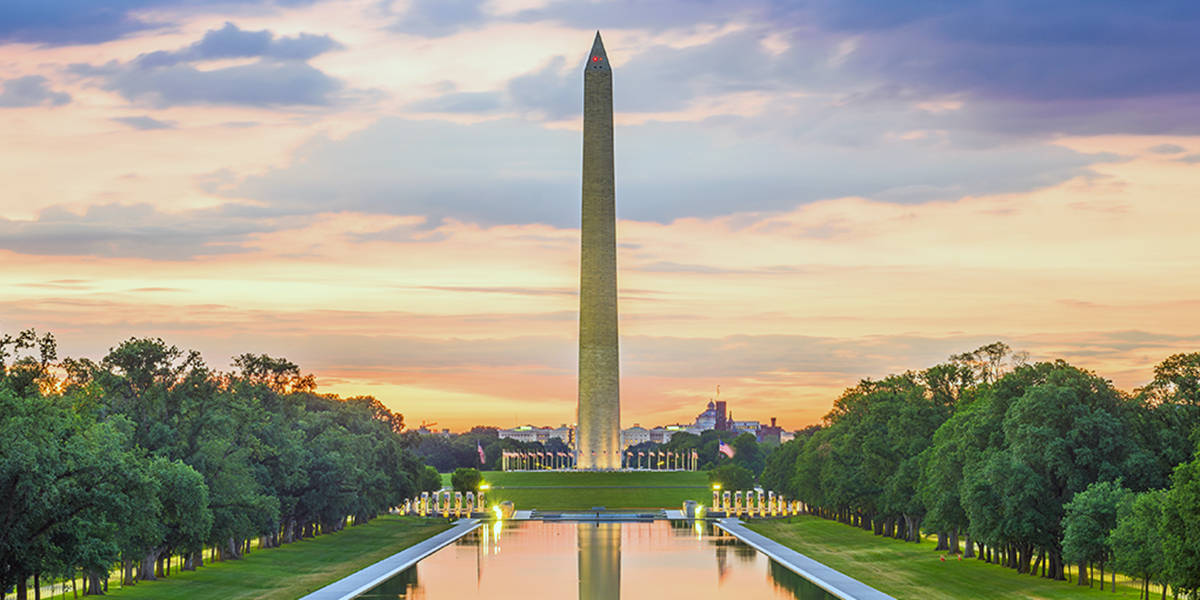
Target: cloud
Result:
[435, 18]
[65, 22]
[145, 123]
[31, 90]
[280, 76]
[232, 42]
[665, 171]
[1167, 149]
[430, 168]
[114, 230]
[460, 102]
[656, 79]
[61, 22]
[1040, 61]
[439, 18]
[1037, 70]
[259, 84]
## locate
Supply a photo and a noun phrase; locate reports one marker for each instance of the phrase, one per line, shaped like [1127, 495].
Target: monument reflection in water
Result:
[597, 561]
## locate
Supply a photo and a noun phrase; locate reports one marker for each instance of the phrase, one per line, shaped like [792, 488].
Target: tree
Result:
[748, 454]
[466, 479]
[66, 485]
[732, 476]
[430, 480]
[1088, 519]
[149, 454]
[988, 363]
[779, 474]
[1176, 380]
[1137, 540]
[1181, 527]
[1063, 428]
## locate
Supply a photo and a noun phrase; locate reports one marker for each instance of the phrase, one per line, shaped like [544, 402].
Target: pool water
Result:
[597, 561]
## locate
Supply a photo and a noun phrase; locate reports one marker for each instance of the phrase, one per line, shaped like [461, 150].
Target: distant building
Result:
[634, 435]
[427, 431]
[744, 427]
[713, 417]
[770, 433]
[707, 419]
[529, 433]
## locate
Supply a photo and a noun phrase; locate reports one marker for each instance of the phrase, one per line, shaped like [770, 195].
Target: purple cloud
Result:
[30, 90]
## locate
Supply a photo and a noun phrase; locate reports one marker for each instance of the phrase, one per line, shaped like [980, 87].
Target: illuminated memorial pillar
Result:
[599, 432]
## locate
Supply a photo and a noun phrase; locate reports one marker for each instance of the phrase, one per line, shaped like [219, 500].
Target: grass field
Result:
[908, 570]
[290, 571]
[583, 490]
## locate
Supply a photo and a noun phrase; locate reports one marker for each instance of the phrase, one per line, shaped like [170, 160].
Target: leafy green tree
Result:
[779, 473]
[466, 479]
[430, 480]
[1137, 540]
[149, 454]
[65, 484]
[732, 477]
[748, 454]
[1169, 421]
[940, 481]
[1088, 519]
[1181, 528]
[1061, 435]
[1176, 380]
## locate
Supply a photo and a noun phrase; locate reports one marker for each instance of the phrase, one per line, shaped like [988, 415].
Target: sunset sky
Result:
[808, 192]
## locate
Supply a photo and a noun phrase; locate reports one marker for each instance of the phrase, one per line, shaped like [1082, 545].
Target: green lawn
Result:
[290, 571]
[583, 490]
[908, 570]
[598, 478]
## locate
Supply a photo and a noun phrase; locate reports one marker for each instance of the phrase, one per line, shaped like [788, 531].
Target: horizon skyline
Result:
[808, 194]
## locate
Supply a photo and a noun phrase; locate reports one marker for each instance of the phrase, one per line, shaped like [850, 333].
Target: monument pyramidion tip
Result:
[598, 59]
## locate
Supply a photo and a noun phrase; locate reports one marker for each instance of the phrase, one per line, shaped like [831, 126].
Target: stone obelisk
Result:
[598, 435]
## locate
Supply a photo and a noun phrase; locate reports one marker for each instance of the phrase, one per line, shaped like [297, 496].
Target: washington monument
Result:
[598, 435]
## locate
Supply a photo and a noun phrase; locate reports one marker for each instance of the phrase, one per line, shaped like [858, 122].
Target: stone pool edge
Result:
[835, 582]
[362, 580]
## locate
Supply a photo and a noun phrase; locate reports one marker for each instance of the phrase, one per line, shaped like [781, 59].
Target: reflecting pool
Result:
[597, 561]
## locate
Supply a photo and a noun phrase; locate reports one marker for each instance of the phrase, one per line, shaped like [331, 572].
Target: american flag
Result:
[725, 449]
[479, 447]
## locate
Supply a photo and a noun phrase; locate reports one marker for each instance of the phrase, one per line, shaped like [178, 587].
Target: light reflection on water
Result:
[597, 561]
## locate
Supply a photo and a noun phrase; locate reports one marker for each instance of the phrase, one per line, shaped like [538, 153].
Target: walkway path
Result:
[834, 582]
[361, 581]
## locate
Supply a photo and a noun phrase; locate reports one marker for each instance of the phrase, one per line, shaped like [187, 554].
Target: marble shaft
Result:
[598, 435]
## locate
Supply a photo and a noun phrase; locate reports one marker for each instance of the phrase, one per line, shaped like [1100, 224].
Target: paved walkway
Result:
[834, 582]
[363, 580]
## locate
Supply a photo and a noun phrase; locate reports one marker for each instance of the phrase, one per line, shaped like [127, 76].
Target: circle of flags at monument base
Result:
[652, 460]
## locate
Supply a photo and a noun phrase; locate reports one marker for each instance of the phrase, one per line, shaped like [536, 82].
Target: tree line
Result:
[150, 456]
[447, 453]
[450, 452]
[1031, 466]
